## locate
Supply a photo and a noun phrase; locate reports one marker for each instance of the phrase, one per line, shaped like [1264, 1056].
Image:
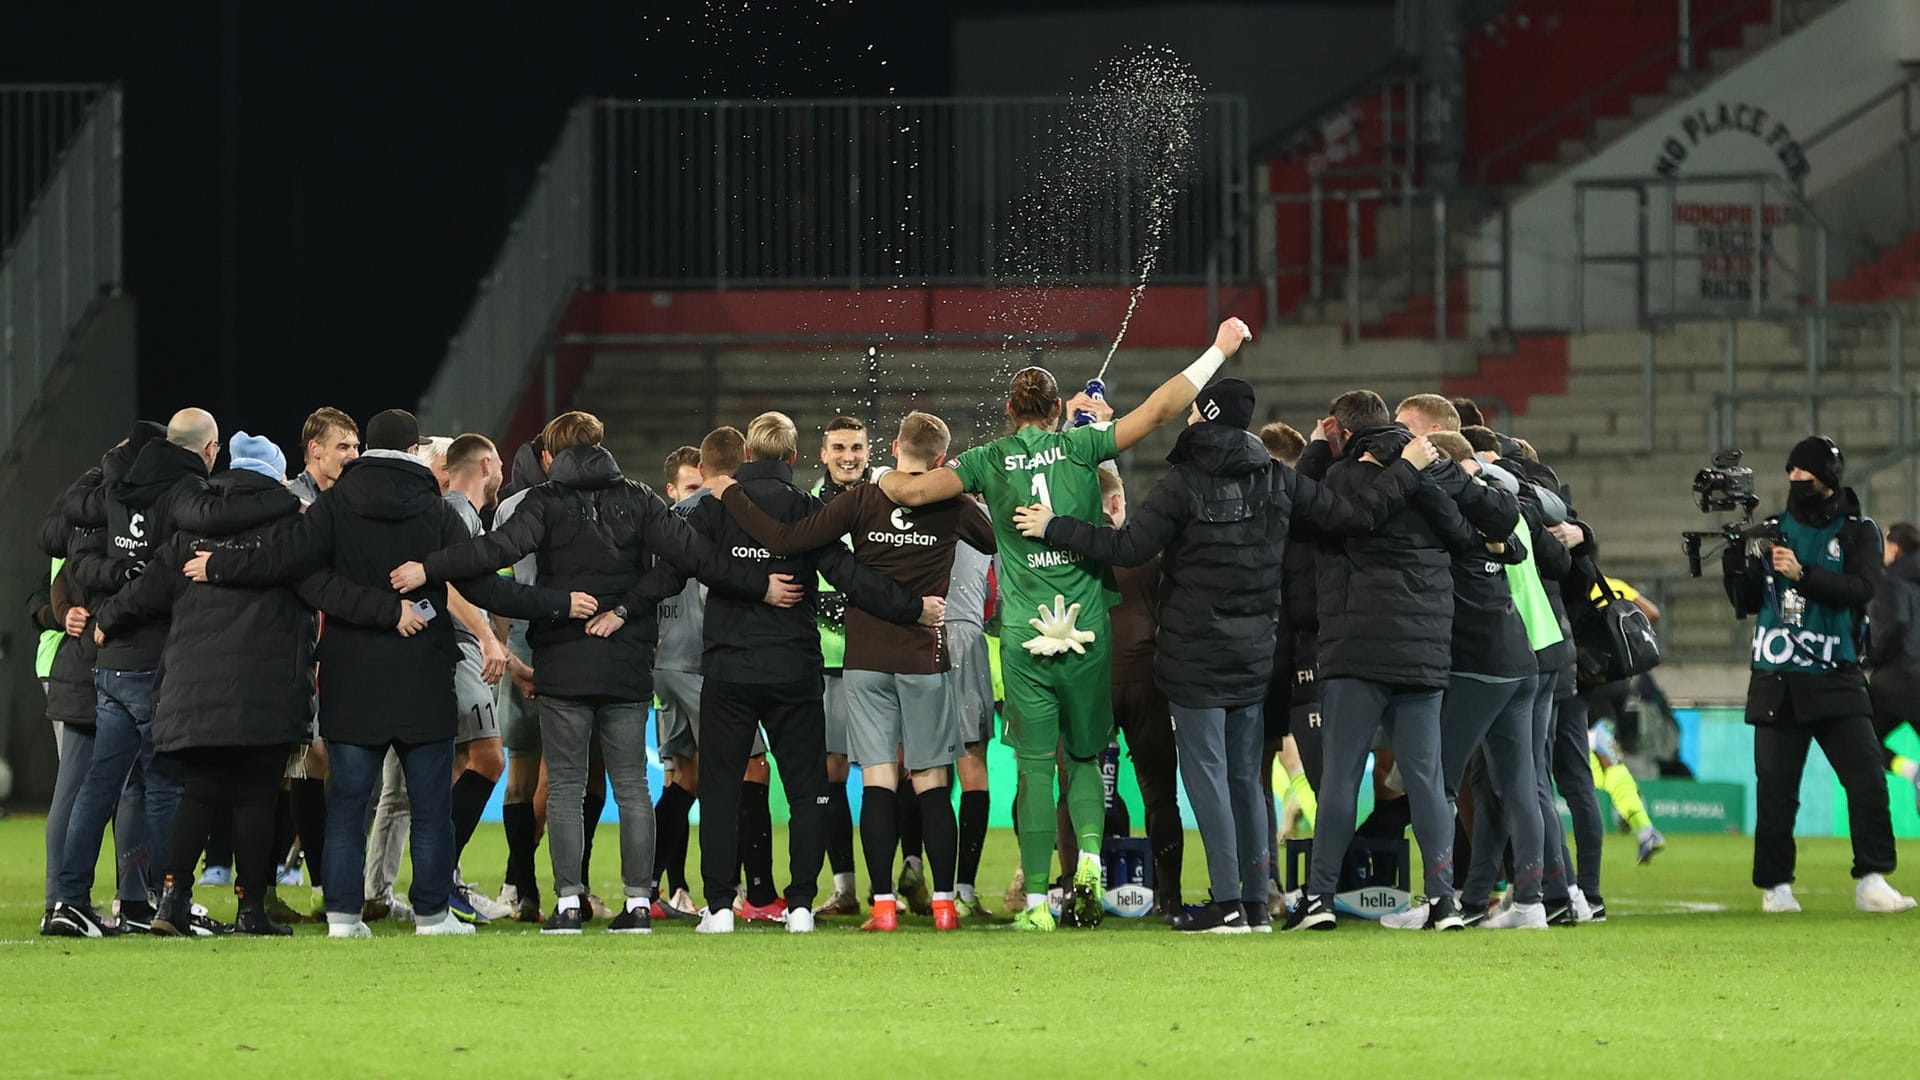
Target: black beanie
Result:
[1820, 456]
[1229, 401]
[395, 429]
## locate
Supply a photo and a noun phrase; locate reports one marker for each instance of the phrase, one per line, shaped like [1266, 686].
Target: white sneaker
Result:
[488, 907]
[509, 898]
[441, 925]
[715, 922]
[1874, 894]
[799, 920]
[1414, 918]
[1518, 917]
[1582, 910]
[354, 929]
[1779, 900]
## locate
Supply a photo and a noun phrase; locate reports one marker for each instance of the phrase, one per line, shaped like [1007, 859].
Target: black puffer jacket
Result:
[594, 531]
[1895, 648]
[1386, 600]
[1221, 517]
[751, 642]
[376, 686]
[238, 666]
[74, 529]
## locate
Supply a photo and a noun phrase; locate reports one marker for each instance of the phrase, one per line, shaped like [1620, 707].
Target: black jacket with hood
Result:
[238, 666]
[375, 686]
[593, 530]
[164, 489]
[1894, 652]
[751, 642]
[1386, 600]
[1221, 519]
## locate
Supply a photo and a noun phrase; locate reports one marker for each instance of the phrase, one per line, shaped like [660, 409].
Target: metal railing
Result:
[64, 253]
[37, 123]
[1738, 251]
[546, 257]
[1676, 55]
[1419, 258]
[862, 193]
[1816, 329]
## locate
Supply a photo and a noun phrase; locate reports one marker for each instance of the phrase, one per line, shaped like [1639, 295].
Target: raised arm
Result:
[1333, 514]
[199, 509]
[1174, 396]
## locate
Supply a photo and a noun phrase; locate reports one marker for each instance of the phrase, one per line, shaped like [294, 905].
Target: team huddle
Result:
[345, 665]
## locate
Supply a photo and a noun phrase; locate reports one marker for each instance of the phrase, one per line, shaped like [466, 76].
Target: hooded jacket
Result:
[593, 530]
[68, 530]
[1489, 638]
[238, 665]
[375, 686]
[163, 489]
[1895, 649]
[1386, 600]
[751, 642]
[1220, 520]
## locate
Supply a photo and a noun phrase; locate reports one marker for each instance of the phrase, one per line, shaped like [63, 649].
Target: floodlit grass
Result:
[1687, 979]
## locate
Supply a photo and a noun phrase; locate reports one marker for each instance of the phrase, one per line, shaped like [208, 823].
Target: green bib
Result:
[1530, 596]
[1793, 633]
[49, 639]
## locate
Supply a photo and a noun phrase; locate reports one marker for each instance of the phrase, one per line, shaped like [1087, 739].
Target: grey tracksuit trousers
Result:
[1220, 758]
[1352, 710]
[1489, 827]
[1500, 717]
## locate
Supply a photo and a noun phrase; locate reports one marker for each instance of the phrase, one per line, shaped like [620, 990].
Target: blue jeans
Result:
[123, 738]
[355, 774]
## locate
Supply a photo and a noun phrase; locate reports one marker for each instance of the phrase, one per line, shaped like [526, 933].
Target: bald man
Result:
[164, 489]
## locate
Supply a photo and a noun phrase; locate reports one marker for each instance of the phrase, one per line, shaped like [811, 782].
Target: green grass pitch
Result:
[1686, 979]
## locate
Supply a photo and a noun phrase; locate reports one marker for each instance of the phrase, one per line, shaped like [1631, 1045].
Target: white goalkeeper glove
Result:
[1057, 631]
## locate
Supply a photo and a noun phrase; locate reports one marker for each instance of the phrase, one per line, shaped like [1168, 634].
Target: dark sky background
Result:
[313, 190]
[378, 152]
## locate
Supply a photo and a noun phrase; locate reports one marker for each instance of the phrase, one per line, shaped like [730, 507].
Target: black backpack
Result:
[1613, 638]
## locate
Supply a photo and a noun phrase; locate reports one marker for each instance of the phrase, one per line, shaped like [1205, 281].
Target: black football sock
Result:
[879, 832]
[671, 836]
[974, 809]
[942, 833]
[908, 810]
[839, 829]
[523, 840]
[470, 795]
[756, 844]
[310, 820]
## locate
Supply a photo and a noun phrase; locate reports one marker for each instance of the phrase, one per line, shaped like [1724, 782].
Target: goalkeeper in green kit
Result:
[1057, 685]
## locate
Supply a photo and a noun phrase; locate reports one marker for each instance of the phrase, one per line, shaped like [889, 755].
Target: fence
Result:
[546, 257]
[863, 193]
[64, 249]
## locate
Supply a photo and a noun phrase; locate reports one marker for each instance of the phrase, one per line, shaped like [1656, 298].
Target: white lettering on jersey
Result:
[1016, 462]
[903, 539]
[1038, 559]
[744, 552]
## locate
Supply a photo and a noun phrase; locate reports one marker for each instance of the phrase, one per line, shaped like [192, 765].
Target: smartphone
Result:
[424, 609]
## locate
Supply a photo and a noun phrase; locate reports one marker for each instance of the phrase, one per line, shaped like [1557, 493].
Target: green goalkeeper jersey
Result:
[1055, 469]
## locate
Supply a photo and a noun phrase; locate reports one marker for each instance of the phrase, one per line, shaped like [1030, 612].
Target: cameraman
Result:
[1809, 600]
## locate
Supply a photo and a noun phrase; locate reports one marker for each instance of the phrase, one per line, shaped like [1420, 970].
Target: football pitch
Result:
[1687, 978]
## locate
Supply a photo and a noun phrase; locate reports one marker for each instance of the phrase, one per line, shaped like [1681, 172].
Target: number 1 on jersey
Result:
[1040, 493]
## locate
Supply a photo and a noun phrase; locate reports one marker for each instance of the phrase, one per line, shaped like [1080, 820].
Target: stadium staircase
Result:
[67, 340]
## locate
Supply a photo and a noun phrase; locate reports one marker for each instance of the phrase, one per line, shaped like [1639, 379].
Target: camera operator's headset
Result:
[1863, 627]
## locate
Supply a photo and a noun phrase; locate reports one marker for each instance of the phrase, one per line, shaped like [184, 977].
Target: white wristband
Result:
[1201, 371]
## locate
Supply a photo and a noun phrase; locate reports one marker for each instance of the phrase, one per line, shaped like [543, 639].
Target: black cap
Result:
[1820, 456]
[395, 429]
[1229, 401]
